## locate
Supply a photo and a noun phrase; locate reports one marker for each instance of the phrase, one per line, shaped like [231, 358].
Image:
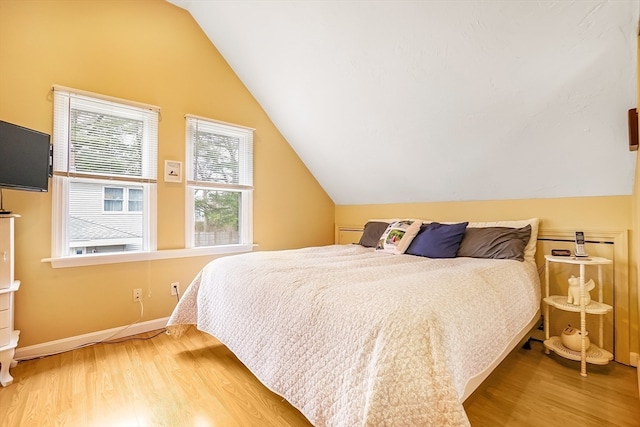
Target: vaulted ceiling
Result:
[417, 101]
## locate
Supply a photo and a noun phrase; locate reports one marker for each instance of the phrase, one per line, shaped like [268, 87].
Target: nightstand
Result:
[594, 353]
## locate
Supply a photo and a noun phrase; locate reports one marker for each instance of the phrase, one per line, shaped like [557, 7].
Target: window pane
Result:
[90, 229]
[105, 144]
[216, 217]
[113, 205]
[113, 199]
[216, 158]
[135, 199]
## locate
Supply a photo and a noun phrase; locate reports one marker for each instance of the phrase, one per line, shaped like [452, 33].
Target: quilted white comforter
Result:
[355, 337]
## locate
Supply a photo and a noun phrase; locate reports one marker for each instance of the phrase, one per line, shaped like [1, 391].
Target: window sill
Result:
[120, 257]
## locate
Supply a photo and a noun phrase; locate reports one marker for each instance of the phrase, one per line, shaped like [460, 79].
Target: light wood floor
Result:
[195, 380]
[533, 389]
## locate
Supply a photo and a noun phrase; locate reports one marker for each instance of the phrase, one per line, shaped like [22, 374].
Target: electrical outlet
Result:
[175, 288]
[137, 294]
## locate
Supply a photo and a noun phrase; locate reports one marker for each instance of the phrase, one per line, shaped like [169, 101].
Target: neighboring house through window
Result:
[219, 195]
[105, 162]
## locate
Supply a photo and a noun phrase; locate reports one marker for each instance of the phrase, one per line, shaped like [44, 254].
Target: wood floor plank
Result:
[531, 388]
[195, 380]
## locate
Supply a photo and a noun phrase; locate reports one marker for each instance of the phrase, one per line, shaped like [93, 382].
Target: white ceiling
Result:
[418, 101]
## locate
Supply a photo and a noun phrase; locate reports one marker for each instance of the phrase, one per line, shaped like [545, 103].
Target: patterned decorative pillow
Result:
[437, 240]
[398, 236]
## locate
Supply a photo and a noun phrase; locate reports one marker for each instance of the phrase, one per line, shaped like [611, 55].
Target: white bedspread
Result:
[354, 337]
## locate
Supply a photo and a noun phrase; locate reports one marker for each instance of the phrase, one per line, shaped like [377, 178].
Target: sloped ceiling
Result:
[418, 101]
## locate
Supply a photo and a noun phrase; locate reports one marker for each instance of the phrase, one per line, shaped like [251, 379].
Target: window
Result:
[135, 199]
[114, 199]
[219, 171]
[105, 162]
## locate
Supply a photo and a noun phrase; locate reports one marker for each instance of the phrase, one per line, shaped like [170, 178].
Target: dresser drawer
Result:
[5, 318]
[5, 299]
[5, 336]
[6, 253]
[6, 269]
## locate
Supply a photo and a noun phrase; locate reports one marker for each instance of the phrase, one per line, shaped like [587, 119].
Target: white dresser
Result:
[8, 286]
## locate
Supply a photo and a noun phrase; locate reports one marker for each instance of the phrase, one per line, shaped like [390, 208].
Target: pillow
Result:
[398, 235]
[495, 242]
[530, 249]
[437, 240]
[372, 232]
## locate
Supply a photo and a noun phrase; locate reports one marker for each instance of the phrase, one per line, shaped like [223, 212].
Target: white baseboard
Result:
[66, 344]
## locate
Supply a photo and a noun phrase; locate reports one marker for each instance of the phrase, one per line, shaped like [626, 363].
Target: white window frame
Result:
[245, 187]
[60, 240]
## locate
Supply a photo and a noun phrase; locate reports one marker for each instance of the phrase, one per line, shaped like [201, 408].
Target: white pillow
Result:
[398, 236]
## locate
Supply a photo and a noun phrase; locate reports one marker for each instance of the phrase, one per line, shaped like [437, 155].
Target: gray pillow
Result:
[495, 242]
[371, 233]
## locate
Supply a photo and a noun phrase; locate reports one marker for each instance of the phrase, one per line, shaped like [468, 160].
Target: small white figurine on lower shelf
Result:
[573, 296]
[572, 338]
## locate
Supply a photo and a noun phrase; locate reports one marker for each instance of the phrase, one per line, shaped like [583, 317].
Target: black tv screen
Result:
[25, 158]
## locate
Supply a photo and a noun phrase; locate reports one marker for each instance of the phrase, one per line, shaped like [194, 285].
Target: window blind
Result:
[101, 138]
[219, 155]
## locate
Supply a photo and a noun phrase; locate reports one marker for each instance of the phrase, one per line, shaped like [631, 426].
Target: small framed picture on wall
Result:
[172, 171]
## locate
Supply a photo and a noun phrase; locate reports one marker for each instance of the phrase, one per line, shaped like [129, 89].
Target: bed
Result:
[354, 335]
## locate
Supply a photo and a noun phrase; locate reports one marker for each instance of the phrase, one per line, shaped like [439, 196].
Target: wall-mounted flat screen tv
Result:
[25, 158]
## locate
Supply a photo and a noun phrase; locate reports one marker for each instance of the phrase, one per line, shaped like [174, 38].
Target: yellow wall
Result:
[153, 52]
[603, 213]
